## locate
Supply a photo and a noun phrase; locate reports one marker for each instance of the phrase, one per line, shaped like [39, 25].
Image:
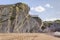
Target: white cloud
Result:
[38, 9]
[48, 6]
[52, 19]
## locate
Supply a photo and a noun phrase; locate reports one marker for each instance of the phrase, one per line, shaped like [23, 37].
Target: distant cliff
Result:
[15, 18]
[51, 26]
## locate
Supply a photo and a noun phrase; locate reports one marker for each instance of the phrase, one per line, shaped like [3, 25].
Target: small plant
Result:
[0, 20]
[12, 18]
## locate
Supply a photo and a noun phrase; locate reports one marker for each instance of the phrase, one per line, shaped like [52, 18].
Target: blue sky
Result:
[45, 9]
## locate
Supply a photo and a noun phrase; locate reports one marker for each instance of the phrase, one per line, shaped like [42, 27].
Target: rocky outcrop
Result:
[15, 18]
[51, 26]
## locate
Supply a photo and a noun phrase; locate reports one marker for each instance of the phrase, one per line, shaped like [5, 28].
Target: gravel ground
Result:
[27, 36]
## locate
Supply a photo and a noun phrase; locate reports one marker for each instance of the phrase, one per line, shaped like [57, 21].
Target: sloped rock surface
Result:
[51, 27]
[15, 19]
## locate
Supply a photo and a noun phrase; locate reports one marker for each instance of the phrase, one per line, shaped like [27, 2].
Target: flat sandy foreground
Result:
[26, 36]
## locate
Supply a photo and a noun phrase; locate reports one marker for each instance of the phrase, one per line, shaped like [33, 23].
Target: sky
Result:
[45, 9]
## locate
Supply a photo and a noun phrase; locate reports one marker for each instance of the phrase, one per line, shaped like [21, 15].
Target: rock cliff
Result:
[51, 26]
[15, 18]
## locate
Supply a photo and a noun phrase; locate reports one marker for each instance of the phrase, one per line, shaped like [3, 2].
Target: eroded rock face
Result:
[15, 19]
[51, 27]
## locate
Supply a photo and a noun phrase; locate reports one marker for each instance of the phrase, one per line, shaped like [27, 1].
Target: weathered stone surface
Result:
[51, 26]
[15, 18]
